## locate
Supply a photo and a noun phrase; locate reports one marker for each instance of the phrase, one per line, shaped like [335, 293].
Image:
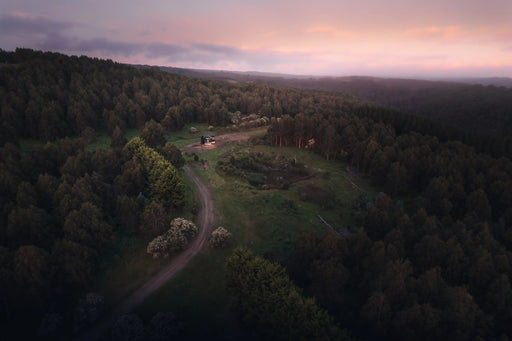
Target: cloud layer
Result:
[369, 37]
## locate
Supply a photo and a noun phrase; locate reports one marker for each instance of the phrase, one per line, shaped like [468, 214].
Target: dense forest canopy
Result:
[474, 107]
[435, 264]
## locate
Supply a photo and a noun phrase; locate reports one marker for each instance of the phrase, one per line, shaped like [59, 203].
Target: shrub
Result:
[188, 228]
[158, 247]
[174, 240]
[220, 238]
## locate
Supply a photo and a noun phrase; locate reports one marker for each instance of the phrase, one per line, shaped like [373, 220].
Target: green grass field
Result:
[266, 221]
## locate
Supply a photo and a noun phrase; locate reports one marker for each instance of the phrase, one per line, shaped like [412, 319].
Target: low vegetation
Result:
[220, 238]
[174, 240]
[264, 171]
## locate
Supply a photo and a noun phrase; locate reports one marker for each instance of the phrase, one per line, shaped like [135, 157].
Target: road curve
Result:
[205, 222]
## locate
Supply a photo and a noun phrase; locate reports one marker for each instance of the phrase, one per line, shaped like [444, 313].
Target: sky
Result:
[392, 38]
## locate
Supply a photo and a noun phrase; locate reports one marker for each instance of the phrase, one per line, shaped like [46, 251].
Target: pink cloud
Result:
[438, 32]
[504, 33]
[327, 30]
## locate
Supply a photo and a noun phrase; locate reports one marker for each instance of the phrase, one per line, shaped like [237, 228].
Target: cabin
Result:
[207, 139]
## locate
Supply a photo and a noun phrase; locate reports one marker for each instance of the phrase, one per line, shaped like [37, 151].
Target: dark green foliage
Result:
[323, 197]
[89, 310]
[118, 139]
[419, 272]
[472, 107]
[255, 179]
[154, 220]
[75, 263]
[173, 155]
[262, 170]
[163, 326]
[131, 180]
[128, 327]
[87, 227]
[58, 204]
[165, 185]
[270, 305]
[31, 225]
[153, 134]
[33, 275]
[127, 209]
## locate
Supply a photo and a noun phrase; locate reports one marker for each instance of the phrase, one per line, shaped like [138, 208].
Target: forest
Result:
[473, 107]
[431, 257]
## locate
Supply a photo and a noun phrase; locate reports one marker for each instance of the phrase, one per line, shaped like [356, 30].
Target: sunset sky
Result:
[393, 38]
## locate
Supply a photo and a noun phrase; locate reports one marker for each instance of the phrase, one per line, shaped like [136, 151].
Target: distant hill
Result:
[224, 75]
[480, 105]
[496, 81]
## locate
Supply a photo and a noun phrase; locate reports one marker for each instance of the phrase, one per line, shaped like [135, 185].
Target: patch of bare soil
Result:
[219, 141]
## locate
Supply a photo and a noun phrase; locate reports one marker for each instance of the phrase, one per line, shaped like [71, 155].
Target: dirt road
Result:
[206, 220]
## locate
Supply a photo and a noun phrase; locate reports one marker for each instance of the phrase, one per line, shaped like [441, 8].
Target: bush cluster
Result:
[174, 240]
[220, 238]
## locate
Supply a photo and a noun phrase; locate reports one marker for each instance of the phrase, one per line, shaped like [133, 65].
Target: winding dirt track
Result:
[205, 221]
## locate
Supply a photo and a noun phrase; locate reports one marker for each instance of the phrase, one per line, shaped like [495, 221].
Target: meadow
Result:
[265, 221]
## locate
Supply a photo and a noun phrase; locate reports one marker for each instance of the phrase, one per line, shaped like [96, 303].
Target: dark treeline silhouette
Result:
[438, 266]
[477, 108]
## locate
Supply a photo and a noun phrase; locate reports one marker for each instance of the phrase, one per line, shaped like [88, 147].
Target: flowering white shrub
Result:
[220, 237]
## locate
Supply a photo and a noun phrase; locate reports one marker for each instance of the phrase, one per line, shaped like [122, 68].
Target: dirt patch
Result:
[219, 141]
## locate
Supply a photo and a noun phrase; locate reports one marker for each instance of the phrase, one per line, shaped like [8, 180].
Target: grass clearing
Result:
[101, 142]
[266, 221]
[131, 133]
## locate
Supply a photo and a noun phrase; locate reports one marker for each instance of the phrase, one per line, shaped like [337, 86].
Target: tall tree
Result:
[154, 220]
[153, 134]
